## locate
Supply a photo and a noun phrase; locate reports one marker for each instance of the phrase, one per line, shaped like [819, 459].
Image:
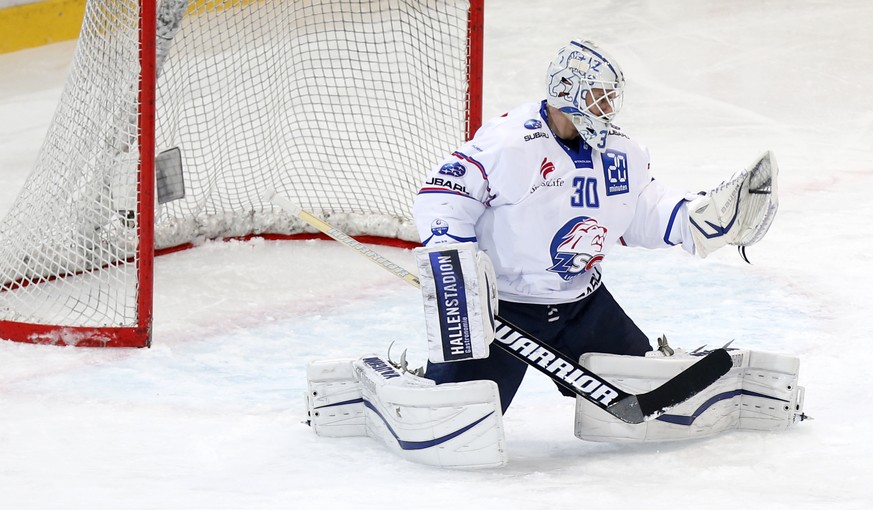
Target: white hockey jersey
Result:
[546, 212]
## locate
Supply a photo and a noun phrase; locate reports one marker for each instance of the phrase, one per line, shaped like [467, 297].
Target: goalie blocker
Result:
[459, 291]
[760, 392]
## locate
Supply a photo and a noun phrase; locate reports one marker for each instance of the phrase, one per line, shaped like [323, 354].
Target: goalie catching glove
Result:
[459, 290]
[739, 211]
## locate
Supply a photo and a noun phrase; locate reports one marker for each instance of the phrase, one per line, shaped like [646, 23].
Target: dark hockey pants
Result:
[594, 324]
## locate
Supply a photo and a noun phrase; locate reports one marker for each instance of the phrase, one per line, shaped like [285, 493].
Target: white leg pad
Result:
[760, 392]
[334, 400]
[457, 425]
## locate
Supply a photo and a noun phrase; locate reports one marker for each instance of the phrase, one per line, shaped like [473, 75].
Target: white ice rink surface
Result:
[210, 416]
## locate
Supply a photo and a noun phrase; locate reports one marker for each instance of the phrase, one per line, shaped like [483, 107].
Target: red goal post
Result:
[177, 116]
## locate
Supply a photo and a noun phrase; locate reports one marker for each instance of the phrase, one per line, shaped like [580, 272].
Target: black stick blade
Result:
[686, 384]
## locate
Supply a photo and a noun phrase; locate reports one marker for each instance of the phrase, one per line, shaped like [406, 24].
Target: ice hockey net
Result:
[340, 105]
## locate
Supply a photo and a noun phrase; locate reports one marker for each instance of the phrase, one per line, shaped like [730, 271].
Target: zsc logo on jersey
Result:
[577, 246]
[455, 169]
[615, 170]
[533, 124]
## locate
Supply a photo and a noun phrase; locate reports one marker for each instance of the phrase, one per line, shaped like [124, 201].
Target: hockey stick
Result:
[630, 408]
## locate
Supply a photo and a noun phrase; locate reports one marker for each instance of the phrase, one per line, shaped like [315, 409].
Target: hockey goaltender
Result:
[515, 224]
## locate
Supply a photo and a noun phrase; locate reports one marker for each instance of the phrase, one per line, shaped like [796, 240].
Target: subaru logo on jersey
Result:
[439, 227]
[533, 124]
[447, 184]
[455, 169]
[577, 246]
[615, 172]
[452, 305]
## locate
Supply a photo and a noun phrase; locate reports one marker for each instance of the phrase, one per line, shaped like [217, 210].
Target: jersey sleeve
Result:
[660, 218]
[459, 189]
[453, 197]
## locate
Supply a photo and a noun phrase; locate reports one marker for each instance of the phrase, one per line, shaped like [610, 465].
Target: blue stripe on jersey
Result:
[481, 167]
[456, 238]
[670, 223]
[427, 191]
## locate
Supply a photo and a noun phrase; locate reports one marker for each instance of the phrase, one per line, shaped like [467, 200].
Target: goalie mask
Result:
[586, 84]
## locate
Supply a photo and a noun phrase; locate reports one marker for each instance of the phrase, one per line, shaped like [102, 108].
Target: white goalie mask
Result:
[587, 85]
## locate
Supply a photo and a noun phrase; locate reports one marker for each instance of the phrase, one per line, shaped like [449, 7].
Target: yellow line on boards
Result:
[38, 23]
[35, 24]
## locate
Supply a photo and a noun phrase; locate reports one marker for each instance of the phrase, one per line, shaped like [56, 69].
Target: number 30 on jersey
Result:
[585, 193]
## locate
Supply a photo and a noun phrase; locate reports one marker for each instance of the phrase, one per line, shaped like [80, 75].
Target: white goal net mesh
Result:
[339, 105]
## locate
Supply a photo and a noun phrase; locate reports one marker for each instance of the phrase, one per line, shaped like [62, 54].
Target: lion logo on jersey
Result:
[577, 246]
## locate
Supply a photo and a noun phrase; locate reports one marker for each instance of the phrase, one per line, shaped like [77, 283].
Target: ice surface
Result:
[210, 416]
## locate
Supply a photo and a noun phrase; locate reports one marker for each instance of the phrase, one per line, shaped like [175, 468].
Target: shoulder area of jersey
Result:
[619, 140]
[515, 127]
[525, 119]
[514, 117]
[617, 132]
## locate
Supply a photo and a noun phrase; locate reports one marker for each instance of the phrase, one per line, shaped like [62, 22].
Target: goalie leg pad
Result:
[457, 425]
[334, 400]
[759, 393]
[459, 292]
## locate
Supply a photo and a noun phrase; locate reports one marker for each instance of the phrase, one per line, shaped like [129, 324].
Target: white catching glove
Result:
[739, 211]
[459, 290]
